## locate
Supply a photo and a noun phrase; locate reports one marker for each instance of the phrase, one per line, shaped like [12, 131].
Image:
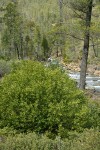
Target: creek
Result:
[92, 82]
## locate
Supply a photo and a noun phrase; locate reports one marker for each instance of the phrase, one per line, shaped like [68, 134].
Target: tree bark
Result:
[86, 45]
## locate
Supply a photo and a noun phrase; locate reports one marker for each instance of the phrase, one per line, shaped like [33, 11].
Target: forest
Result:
[41, 43]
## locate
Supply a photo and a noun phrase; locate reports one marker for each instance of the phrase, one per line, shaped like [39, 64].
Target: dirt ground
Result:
[91, 69]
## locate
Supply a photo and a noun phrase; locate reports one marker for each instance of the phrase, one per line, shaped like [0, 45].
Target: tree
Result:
[86, 44]
[12, 38]
[45, 46]
[83, 10]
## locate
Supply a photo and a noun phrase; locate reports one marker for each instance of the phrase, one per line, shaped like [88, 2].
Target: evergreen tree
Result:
[12, 39]
[45, 48]
[83, 10]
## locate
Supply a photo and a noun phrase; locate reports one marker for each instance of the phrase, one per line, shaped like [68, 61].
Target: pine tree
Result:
[12, 37]
[83, 10]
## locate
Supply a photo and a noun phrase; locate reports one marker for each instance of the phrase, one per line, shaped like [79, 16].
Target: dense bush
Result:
[94, 114]
[88, 140]
[37, 98]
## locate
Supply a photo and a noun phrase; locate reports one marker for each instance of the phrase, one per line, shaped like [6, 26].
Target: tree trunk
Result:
[21, 46]
[86, 46]
[57, 52]
[61, 11]
[17, 50]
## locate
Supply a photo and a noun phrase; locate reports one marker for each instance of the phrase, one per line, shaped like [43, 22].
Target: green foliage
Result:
[12, 35]
[7, 131]
[56, 36]
[5, 67]
[94, 114]
[88, 140]
[45, 47]
[37, 98]
[46, 17]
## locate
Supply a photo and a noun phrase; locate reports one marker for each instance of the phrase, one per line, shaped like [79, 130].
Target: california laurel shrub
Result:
[36, 98]
[88, 140]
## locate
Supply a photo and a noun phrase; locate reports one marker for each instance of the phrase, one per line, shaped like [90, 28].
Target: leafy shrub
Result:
[37, 98]
[5, 67]
[94, 114]
[88, 140]
[7, 131]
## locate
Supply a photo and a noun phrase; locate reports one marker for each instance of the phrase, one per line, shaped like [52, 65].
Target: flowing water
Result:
[92, 82]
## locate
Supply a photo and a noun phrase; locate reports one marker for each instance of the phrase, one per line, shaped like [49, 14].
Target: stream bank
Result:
[92, 69]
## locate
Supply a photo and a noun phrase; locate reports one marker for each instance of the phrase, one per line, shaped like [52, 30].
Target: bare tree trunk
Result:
[86, 45]
[57, 52]
[18, 54]
[21, 46]
[17, 50]
[61, 22]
